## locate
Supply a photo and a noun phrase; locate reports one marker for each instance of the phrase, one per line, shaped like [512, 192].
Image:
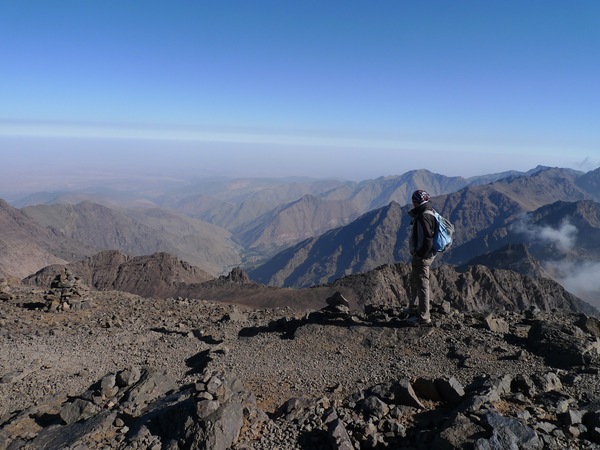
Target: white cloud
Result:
[580, 279]
[563, 237]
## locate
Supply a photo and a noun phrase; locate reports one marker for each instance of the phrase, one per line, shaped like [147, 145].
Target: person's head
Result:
[419, 197]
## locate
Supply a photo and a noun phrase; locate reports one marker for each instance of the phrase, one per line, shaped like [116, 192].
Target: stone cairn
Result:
[5, 290]
[66, 293]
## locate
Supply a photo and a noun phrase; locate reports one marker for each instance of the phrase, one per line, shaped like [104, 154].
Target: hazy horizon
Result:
[350, 90]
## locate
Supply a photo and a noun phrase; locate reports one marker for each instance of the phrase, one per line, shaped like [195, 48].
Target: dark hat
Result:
[419, 197]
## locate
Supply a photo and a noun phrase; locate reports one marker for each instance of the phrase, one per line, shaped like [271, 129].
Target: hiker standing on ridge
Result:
[423, 254]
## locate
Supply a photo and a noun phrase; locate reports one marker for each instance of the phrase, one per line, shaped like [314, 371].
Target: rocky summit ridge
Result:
[129, 372]
[475, 288]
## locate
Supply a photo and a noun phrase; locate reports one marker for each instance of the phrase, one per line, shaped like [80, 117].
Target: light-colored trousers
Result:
[419, 283]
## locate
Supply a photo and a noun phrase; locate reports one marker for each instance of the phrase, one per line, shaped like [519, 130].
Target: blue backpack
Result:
[442, 237]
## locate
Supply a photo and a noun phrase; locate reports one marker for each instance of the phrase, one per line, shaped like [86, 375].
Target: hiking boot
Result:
[418, 320]
[409, 312]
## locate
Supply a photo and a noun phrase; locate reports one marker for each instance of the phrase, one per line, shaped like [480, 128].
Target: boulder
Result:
[460, 432]
[150, 386]
[507, 433]
[128, 377]
[450, 389]
[590, 325]
[560, 348]
[525, 385]
[497, 325]
[77, 410]
[337, 433]
[548, 382]
[374, 406]
[337, 305]
[426, 389]
[220, 428]
[398, 392]
[69, 436]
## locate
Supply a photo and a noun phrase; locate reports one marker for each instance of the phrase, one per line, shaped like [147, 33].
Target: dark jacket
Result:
[423, 229]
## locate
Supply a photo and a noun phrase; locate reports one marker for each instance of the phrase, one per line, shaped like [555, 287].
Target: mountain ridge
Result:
[140, 232]
[25, 245]
[483, 215]
[477, 212]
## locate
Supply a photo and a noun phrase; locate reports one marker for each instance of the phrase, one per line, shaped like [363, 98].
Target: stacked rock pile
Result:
[66, 293]
[337, 306]
[5, 289]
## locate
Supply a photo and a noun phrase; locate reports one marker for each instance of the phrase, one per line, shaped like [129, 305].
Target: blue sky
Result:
[347, 89]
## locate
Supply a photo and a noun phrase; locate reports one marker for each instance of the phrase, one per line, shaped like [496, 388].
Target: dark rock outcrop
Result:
[563, 346]
[477, 288]
[151, 276]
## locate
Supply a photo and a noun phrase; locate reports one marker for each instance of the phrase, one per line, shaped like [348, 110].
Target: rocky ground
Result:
[115, 370]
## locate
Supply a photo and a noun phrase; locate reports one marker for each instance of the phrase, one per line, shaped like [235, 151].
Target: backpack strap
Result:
[430, 211]
[435, 215]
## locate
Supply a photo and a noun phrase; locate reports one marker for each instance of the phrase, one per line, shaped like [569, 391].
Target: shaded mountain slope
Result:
[555, 231]
[368, 242]
[141, 232]
[516, 257]
[26, 246]
[150, 276]
[590, 182]
[559, 241]
[481, 216]
[304, 218]
[583, 215]
[480, 211]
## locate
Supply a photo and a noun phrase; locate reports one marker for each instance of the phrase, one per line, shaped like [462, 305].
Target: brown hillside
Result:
[26, 247]
[371, 194]
[154, 275]
[368, 242]
[302, 219]
[142, 232]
